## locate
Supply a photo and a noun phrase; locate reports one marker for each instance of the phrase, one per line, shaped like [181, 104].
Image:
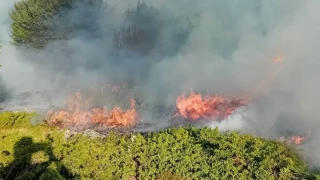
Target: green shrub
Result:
[37, 22]
[41, 152]
[9, 119]
[169, 175]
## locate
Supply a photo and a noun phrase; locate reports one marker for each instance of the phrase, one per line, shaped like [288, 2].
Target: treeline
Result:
[42, 152]
[128, 41]
[39, 22]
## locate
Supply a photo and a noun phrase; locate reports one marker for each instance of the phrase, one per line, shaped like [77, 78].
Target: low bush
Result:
[42, 152]
[18, 119]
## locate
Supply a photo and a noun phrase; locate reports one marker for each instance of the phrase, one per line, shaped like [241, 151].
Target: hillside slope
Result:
[42, 152]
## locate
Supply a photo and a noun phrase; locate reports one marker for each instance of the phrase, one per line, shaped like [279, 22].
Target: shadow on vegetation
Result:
[33, 161]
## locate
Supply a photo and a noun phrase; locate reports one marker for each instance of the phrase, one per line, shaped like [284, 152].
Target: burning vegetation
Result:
[295, 139]
[195, 106]
[81, 113]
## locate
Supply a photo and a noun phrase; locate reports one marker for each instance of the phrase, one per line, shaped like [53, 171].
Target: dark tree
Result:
[142, 25]
[38, 22]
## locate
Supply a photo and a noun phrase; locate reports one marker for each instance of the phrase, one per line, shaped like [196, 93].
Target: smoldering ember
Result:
[133, 70]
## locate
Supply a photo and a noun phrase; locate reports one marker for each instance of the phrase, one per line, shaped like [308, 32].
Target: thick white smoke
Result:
[229, 50]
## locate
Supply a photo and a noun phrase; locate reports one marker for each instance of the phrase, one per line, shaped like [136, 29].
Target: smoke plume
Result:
[223, 46]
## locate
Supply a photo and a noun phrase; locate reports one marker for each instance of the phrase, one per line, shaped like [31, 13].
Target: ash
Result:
[89, 133]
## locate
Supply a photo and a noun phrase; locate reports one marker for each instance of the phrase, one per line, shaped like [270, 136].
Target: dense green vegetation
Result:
[42, 152]
[37, 22]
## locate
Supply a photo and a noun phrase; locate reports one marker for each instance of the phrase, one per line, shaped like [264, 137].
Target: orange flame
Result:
[80, 113]
[196, 107]
[295, 140]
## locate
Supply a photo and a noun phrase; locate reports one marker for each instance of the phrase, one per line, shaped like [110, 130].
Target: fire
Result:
[195, 106]
[81, 113]
[295, 140]
[214, 107]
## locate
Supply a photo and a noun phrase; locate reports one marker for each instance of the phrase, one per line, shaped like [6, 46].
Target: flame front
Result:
[196, 107]
[295, 140]
[81, 114]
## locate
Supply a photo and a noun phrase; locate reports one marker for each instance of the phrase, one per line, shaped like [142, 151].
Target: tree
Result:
[146, 28]
[142, 25]
[38, 22]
